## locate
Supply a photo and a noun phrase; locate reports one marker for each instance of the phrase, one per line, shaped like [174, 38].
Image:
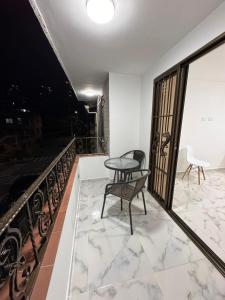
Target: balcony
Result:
[54, 244]
[64, 250]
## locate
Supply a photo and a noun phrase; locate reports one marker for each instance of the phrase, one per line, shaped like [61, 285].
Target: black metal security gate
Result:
[162, 128]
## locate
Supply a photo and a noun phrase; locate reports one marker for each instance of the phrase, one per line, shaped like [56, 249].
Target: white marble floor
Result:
[157, 262]
[202, 207]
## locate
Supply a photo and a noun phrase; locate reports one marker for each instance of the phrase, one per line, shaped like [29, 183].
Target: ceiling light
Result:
[91, 93]
[100, 11]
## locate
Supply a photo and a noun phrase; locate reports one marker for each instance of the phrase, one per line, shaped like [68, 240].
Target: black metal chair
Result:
[138, 155]
[127, 190]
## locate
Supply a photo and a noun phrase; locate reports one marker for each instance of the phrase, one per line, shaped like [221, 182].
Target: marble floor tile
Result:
[79, 278]
[83, 296]
[145, 288]
[109, 263]
[209, 227]
[196, 281]
[167, 245]
[202, 207]
[188, 194]
[115, 257]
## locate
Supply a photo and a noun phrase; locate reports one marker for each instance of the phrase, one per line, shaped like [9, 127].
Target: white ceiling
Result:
[141, 32]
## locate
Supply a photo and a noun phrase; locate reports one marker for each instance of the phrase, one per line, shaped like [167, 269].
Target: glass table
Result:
[121, 165]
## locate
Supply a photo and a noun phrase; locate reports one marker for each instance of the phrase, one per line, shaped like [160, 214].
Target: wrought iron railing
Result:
[85, 145]
[27, 225]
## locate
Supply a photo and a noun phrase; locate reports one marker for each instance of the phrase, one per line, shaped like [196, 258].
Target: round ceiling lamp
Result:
[91, 93]
[100, 11]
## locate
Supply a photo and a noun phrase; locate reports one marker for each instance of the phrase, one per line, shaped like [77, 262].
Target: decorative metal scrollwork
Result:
[36, 205]
[12, 263]
[44, 222]
[53, 188]
[59, 171]
[65, 166]
[39, 214]
[166, 137]
[68, 162]
[51, 181]
[25, 230]
[155, 143]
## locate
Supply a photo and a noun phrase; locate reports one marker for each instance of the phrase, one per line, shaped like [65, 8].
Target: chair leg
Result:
[199, 175]
[190, 169]
[126, 176]
[118, 176]
[131, 226]
[186, 171]
[203, 173]
[103, 206]
[143, 196]
[121, 202]
[114, 179]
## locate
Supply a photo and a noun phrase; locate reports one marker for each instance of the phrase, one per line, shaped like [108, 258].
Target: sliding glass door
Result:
[187, 147]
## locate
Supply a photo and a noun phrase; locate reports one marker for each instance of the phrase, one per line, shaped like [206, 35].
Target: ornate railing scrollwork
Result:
[12, 263]
[25, 227]
[53, 189]
[60, 178]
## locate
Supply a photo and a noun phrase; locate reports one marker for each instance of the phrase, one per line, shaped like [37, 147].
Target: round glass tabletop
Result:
[121, 164]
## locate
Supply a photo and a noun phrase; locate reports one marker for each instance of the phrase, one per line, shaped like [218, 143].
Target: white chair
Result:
[195, 163]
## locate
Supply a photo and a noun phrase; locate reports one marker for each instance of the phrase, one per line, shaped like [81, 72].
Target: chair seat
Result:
[122, 191]
[199, 163]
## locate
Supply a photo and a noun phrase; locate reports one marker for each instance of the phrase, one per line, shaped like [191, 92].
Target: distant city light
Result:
[24, 110]
[9, 121]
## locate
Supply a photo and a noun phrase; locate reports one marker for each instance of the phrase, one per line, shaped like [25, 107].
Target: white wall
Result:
[92, 167]
[210, 28]
[106, 112]
[205, 107]
[124, 113]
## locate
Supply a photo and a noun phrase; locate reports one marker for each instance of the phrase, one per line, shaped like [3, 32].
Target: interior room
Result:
[199, 193]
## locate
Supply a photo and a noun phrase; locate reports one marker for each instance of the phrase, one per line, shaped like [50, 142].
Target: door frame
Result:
[182, 69]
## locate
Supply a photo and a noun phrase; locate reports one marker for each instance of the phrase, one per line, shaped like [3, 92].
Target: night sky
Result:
[31, 75]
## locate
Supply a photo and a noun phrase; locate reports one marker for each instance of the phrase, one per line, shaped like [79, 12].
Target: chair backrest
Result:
[138, 155]
[190, 153]
[140, 182]
[128, 189]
